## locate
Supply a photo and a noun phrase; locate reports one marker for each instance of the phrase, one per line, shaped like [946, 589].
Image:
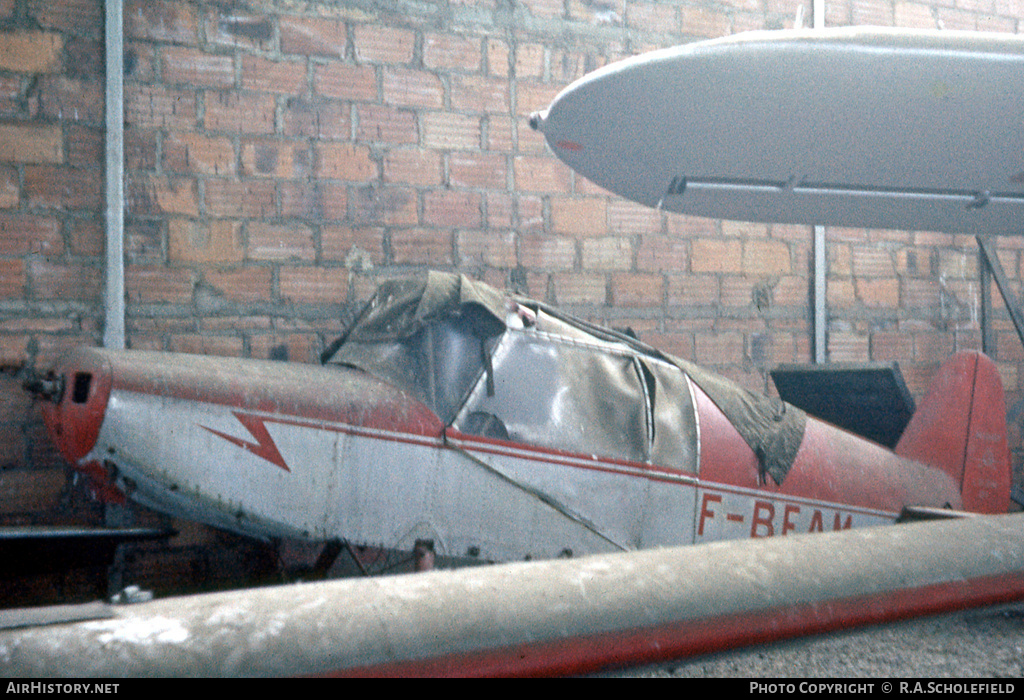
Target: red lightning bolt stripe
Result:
[264, 446]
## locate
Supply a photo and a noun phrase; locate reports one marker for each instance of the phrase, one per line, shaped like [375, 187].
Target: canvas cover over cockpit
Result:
[435, 337]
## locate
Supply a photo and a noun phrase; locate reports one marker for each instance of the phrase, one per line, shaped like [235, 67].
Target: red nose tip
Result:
[74, 420]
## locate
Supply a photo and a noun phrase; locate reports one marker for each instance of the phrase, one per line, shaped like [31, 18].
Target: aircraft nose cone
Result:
[76, 402]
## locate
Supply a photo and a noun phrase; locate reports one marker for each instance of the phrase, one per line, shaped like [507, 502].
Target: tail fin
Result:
[960, 427]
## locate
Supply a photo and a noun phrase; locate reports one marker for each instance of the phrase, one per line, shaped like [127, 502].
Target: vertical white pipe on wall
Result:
[820, 308]
[114, 307]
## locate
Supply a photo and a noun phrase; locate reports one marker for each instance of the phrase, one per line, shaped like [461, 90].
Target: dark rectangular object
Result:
[869, 399]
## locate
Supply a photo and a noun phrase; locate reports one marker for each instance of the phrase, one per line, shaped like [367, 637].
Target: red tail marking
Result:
[264, 447]
[960, 427]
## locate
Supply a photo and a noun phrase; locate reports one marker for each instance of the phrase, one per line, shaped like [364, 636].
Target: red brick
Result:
[629, 218]
[22, 235]
[541, 174]
[207, 344]
[573, 288]
[394, 206]
[143, 241]
[250, 199]
[452, 52]
[530, 211]
[314, 285]
[264, 75]
[85, 145]
[314, 201]
[539, 252]
[569, 65]
[500, 210]
[10, 187]
[474, 93]
[313, 36]
[84, 17]
[318, 118]
[635, 290]
[162, 195]
[452, 208]
[280, 159]
[744, 229]
[848, 347]
[544, 8]
[766, 257]
[207, 242]
[693, 290]
[704, 21]
[737, 291]
[413, 166]
[958, 264]
[158, 284]
[487, 248]
[913, 15]
[840, 293]
[500, 134]
[66, 99]
[30, 52]
[662, 254]
[139, 149]
[194, 67]
[197, 153]
[888, 346]
[234, 27]
[297, 347]
[607, 253]
[934, 347]
[386, 124]
[532, 97]
[86, 236]
[61, 187]
[655, 17]
[872, 262]
[31, 143]
[245, 284]
[876, 13]
[375, 43]
[477, 170]
[11, 104]
[497, 57]
[356, 246]
[161, 20]
[690, 226]
[412, 88]
[31, 490]
[719, 348]
[156, 107]
[345, 161]
[241, 113]
[449, 131]
[579, 216]
[716, 255]
[12, 279]
[530, 61]
[280, 242]
[346, 82]
[54, 280]
[417, 246]
[790, 290]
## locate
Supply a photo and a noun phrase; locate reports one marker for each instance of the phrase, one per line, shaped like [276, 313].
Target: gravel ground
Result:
[981, 643]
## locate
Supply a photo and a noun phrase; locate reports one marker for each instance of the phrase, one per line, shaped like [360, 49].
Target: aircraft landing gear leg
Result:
[423, 553]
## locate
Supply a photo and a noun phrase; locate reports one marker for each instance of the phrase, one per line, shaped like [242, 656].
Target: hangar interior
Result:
[277, 161]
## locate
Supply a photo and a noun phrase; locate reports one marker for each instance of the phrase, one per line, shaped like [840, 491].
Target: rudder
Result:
[960, 427]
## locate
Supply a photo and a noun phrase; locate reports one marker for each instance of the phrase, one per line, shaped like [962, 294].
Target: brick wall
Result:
[283, 158]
